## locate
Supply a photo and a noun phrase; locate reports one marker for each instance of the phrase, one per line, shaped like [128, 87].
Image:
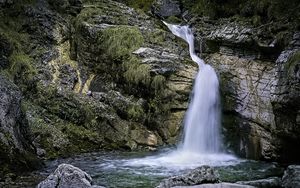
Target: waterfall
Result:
[201, 144]
[202, 120]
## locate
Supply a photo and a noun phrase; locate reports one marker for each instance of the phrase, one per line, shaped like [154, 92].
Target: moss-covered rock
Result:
[16, 151]
[87, 84]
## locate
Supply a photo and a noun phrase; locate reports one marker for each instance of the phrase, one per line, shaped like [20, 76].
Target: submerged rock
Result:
[68, 176]
[291, 177]
[203, 174]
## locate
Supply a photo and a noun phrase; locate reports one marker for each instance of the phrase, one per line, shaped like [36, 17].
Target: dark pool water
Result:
[144, 169]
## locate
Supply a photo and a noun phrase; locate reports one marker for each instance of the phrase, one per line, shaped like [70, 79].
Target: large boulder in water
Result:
[67, 176]
[203, 174]
[291, 177]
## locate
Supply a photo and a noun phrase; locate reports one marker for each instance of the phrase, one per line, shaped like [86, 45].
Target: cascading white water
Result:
[202, 121]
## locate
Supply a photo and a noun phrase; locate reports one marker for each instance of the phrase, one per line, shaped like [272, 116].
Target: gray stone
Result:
[291, 177]
[166, 8]
[67, 176]
[6, 2]
[217, 185]
[40, 152]
[203, 174]
[263, 183]
[14, 143]
[260, 90]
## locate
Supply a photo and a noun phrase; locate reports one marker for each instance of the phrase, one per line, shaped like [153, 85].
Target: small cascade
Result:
[202, 121]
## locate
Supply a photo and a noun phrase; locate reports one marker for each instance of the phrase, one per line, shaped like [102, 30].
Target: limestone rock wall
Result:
[259, 86]
[94, 75]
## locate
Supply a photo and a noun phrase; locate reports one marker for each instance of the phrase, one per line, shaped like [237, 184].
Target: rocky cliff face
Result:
[256, 54]
[94, 75]
[15, 150]
[101, 75]
[259, 76]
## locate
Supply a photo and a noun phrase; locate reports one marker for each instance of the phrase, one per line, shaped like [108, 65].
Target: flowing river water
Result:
[125, 170]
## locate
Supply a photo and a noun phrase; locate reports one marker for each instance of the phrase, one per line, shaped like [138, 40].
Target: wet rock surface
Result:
[201, 175]
[291, 177]
[67, 176]
[263, 183]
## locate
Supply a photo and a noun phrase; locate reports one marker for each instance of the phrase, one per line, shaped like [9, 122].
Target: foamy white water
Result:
[202, 121]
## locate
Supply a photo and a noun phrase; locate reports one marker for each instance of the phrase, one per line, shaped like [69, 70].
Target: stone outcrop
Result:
[291, 177]
[16, 153]
[259, 73]
[259, 78]
[150, 69]
[166, 8]
[68, 176]
[97, 75]
[200, 175]
[263, 183]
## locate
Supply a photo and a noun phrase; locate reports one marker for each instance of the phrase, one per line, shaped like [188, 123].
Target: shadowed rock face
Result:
[15, 151]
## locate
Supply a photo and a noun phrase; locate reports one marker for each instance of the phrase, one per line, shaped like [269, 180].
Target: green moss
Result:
[173, 20]
[137, 73]
[119, 42]
[143, 5]
[11, 23]
[158, 83]
[58, 136]
[97, 8]
[256, 20]
[66, 106]
[156, 36]
[136, 113]
[21, 67]
[87, 14]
